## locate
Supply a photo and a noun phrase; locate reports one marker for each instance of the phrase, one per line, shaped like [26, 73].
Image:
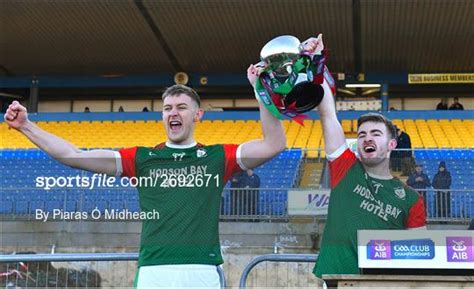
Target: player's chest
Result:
[379, 199]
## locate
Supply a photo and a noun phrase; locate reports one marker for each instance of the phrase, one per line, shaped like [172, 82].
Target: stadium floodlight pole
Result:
[34, 92]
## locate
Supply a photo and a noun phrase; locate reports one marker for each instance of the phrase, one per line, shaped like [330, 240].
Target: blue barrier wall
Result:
[243, 115]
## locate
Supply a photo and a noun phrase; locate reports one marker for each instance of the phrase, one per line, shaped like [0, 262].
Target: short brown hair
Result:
[182, 89]
[377, 117]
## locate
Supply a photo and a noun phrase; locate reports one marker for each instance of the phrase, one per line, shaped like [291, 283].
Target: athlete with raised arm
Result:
[181, 249]
[364, 194]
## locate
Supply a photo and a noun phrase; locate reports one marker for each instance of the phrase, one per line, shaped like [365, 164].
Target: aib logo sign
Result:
[379, 250]
[460, 249]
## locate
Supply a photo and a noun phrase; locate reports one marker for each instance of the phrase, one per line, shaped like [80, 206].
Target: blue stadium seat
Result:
[21, 208]
[116, 205]
[133, 206]
[6, 207]
[101, 205]
[36, 205]
[278, 209]
[70, 206]
[52, 205]
[86, 206]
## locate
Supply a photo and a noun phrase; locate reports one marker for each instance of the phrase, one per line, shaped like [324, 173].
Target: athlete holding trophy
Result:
[364, 194]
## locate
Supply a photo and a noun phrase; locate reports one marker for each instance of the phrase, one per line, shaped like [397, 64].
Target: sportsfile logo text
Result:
[182, 179]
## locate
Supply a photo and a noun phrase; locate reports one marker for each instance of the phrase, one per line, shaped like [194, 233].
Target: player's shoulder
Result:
[160, 146]
[201, 146]
[220, 146]
[145, 151]
[214, 150]
[411, 191]
[396, 182]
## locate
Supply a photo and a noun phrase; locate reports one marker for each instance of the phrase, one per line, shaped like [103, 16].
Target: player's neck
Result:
[381, 171]
[181, 145]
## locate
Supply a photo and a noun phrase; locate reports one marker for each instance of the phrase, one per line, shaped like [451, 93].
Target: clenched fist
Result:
[313, 45]
[16, 115]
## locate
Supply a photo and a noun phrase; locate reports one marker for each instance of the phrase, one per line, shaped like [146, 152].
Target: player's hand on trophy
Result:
[16, 115]
[253, 72]
[313, 45]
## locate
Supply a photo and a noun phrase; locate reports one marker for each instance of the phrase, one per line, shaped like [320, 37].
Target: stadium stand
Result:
[276, 177]
[460, 163]
[442, 133]
[21, 195]
[21, 164]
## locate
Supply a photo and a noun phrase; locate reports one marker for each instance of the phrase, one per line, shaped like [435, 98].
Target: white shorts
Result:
[177, 276]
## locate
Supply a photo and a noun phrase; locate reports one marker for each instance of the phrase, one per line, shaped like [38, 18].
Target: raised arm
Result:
[99, 161]
[256, 152]
[332, 130]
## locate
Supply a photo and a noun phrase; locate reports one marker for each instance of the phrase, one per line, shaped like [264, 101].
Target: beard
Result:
[177, 137]
[374, 161]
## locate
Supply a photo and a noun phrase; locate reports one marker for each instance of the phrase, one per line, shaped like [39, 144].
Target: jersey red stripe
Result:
[339, 167]
[417, 216]
[128, 161]
[231, 165]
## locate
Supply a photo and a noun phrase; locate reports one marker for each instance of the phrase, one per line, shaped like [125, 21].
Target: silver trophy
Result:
[292, 77]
